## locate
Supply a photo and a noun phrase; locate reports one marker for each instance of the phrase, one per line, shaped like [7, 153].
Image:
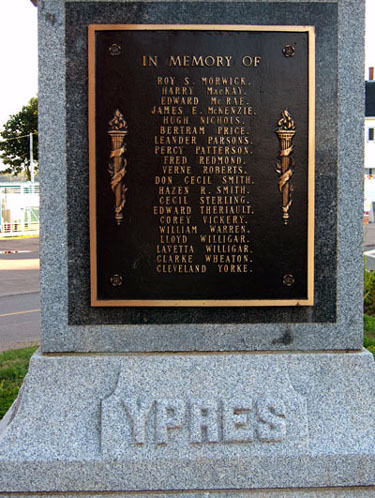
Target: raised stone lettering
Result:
[170, 414]
[236, 424]
[157, 421]
[204, 426]
[138, 412]
[271, 420]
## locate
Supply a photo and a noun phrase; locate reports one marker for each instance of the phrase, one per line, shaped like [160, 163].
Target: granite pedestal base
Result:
[192, 422]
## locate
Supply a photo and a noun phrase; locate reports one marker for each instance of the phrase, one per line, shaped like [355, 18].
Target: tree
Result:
[14, 140]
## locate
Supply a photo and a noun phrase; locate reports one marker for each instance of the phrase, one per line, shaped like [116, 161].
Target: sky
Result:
[19, 62]
[18, 56]
[370, 34]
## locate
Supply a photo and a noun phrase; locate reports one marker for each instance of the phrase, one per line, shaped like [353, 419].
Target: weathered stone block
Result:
[191, 422]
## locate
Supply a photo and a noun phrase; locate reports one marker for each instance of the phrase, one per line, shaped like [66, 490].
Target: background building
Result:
[369, 202]
[19, 208]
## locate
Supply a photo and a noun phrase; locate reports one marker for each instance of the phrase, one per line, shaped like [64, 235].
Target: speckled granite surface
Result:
[148, 414]
[361, 492]
[213, 421]
[68, 322]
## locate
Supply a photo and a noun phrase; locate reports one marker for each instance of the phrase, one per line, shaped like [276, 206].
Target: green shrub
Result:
[369, 333]
[372, 350]
[369, 291]
[369, 323]
[368, 341]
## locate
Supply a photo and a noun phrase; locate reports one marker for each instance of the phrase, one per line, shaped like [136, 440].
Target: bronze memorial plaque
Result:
[201, 165]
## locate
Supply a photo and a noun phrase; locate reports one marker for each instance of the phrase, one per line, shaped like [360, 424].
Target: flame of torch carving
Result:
[117, 166]
[285, 132]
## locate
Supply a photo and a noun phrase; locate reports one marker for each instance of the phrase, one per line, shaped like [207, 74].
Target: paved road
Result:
[19, 292]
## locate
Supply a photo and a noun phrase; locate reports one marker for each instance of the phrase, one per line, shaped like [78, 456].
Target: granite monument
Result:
[201, 167]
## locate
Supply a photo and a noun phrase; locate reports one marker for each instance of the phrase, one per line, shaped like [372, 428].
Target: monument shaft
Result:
[183, 144]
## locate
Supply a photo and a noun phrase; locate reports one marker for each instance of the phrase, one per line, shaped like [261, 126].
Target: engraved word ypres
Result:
[208, 421]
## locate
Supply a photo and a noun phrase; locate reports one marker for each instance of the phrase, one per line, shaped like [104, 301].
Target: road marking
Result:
[19, 313]
[12, 251]
[19, 264]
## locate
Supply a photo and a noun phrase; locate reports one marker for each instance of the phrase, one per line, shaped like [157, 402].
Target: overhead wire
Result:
[17, 138]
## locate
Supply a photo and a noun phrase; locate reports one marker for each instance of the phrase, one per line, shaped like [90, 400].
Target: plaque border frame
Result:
[94, 301]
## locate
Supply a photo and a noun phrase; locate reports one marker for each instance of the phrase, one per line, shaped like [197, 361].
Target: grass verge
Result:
[13, 368]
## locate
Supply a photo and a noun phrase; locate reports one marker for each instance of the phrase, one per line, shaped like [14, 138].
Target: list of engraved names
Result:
[204, 184]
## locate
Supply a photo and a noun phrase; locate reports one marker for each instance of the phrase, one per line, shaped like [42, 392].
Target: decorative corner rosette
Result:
[284, 167]
[117, 166]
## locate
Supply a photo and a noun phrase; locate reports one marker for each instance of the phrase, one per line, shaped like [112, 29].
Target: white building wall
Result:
[369, 200]
[370, 145]
[19, 208]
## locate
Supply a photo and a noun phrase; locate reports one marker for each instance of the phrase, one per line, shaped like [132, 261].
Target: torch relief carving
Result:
[117, 165]
[284, 166]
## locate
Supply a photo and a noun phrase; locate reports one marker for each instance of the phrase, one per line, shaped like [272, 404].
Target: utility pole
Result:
[31, 159]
